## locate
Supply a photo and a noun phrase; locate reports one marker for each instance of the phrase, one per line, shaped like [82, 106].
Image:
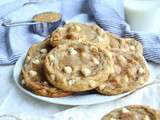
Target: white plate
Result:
[79, 99]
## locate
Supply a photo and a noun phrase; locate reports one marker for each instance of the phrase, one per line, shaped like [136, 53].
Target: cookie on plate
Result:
[129, 72]
[96, 35]
[33, 77]
[133, 112]
[77, 66]
[80, 32]
[124, 44]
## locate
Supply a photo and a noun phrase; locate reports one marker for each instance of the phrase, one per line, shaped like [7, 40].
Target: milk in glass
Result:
[143, 15]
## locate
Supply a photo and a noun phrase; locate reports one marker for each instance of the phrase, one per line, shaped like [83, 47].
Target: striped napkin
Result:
[110, 16]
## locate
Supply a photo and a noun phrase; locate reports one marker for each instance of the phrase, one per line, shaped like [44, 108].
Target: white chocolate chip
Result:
[101, 87]
[85, 71]
[122, 60]
[132, 48]
[68, 69]
[117, 69]
[32, 73]
[72, 51]
[53, 77]
[125, 110]
[95, 60]
[28, 58]
[51, 58]
[71, 82]
[112, 70]
[84, 55]
[110, 54]
[36, 61]
[112, 119]
[99, 39]
[141, 81]
[99, 31]
[141, 71]
[43, 51]
[146, 117]
[92, 83]
[22, 82]
[45, 83]
[126, 79]
[123, 49]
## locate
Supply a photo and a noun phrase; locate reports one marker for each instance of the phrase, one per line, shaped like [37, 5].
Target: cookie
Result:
[80, 32]
[75, 66]
[133, 112]
[129, 72]
[124, 44]
[96, 35]
[33, 77]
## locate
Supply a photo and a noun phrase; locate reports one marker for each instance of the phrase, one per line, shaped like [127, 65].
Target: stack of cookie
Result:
[80, 57]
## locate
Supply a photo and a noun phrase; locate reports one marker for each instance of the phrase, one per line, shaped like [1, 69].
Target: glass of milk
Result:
[143, 15]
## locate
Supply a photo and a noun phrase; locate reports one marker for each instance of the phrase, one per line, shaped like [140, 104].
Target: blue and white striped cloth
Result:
[108, 14]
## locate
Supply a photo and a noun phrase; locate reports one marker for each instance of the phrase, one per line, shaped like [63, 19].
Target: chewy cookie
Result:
[124, 44]
[96, 35]
[133, 112]
[129, 72]
[77, 66]
[33, 77]
[80, 32]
